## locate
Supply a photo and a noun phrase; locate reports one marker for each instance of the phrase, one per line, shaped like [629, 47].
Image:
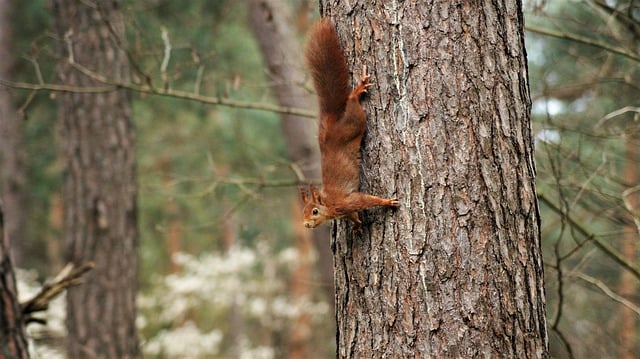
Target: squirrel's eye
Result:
[315, 211]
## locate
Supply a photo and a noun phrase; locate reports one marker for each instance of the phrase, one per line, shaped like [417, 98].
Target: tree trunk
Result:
[628, 287]
[300, 333]
[99, 187]
[13, 172]
[13, 343]
[456, 271]
[270, 21]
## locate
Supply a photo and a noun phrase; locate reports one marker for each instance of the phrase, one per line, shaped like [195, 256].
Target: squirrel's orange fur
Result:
[342, 125]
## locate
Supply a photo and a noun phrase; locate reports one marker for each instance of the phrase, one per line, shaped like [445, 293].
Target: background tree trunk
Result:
[628, 283]
[457, 270]
[270, 21]
[13, 343]
[13, 172]
[99, 187]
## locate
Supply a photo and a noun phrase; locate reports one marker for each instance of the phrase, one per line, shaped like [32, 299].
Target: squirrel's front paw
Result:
[364, 81]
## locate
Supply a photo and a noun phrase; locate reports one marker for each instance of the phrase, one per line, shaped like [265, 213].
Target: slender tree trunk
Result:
[13, 172]
[174, 235]
[100, 183]
[628, 284]
[55, 250]
[235, 319]
[174, 227]
[282, 52]
[13, 343]
[456, 271]
[300, 333]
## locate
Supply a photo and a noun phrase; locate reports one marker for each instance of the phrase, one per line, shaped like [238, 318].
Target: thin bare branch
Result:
[597, 241]
[616, 113]
[583, 40]
[69, 276]
[56, 88]
[166, 58]
[626, 19]
[190, 96]
[610, 293]
[198, 82]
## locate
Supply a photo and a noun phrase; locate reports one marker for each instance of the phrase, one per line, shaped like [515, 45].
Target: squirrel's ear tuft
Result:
[304, 195]
[315, 194]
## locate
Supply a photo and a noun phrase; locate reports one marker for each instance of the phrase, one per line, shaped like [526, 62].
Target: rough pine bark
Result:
[13, 343]
[456, 271]
[100, 222]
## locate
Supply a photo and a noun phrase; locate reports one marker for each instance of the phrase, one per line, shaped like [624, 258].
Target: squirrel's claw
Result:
[364, 82]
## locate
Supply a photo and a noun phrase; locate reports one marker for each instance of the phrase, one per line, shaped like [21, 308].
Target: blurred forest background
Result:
[226, 269]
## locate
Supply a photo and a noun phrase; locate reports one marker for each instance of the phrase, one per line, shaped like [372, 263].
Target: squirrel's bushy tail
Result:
[328, 67]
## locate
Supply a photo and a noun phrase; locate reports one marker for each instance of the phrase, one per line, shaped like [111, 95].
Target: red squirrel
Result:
[342, 125]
